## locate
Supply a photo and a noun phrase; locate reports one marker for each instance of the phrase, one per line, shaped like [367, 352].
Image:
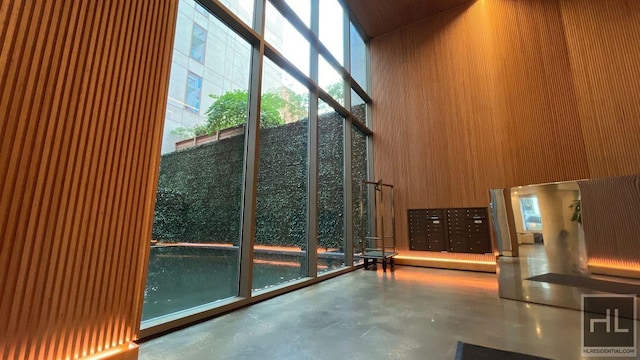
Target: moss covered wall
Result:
[200, 189]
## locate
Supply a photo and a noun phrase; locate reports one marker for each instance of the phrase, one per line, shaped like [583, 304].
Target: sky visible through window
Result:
[331, 34]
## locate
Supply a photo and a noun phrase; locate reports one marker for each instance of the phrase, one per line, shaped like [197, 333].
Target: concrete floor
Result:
[538, 260]
[411, 313]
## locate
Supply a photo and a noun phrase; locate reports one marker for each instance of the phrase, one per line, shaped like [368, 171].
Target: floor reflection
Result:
[445, 278]
[536, 259]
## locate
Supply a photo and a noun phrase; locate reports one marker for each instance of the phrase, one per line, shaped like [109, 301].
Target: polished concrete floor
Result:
[541, 259]
[411, 313]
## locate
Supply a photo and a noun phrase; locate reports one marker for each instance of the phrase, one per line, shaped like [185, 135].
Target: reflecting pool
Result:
[182, 277]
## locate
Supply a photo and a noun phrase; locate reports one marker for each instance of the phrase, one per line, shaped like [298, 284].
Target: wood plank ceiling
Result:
[379, 17]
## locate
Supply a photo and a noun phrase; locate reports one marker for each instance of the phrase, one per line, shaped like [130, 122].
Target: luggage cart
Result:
[380, 245]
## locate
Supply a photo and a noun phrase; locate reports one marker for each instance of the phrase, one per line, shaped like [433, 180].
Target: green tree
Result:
[189, 132]
[336, 90]
[295, 105]
[231, 109]
[228, 110]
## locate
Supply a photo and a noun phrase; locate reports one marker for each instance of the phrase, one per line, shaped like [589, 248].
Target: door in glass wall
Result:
[280, 249]
[196, 230]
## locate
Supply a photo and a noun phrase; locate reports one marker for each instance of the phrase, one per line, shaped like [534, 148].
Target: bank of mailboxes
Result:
[456, 230]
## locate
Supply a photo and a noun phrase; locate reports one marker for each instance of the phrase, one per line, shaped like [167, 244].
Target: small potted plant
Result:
[577, 215]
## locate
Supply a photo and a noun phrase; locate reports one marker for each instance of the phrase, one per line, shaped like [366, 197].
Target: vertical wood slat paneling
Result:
[500, 93]
[116, 224]
[611, 220]
[81, 109]
[46, 30]
[603, 44]
[120, 325]
[103, 73]
[416, 88]
[54, 139]
[108, 202]
[9, 78]
[90, 83]
[540, 127]
[17, 212]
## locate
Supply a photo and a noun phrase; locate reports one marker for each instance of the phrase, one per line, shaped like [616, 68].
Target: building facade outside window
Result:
[193, 92]
[198, 42]
[201, 10]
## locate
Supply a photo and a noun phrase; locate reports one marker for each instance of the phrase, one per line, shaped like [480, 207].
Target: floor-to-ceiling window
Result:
[265, 141]
[281, 204]
[194, 250]
[331, 182]
[361, 196]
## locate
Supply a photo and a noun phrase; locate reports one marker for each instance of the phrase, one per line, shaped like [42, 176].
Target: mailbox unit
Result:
[455, 230]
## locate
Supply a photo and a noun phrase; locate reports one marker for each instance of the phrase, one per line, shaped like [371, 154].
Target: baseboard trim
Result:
[613, 271]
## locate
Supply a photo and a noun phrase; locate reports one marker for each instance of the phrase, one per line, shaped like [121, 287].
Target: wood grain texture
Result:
[83, 90]
[434, 135]
[604, 51]
[501, 93]
[379, 17]
[611, 220]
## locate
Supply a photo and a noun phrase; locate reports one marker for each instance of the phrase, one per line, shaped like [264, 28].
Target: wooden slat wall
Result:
[83, 89]
[432, 142]
[501, 93]
[604, 50]
[536, 111]
[611, 220]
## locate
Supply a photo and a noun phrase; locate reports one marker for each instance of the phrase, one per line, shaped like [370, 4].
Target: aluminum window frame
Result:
[254, 36]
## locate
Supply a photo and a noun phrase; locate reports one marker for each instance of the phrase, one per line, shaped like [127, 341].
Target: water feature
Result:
[182, 277]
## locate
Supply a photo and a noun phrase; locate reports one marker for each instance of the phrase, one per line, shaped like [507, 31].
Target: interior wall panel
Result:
[538, 113]
[434, 137]
[502, 93]
[603, 44]
[83, 92]
[610, 212]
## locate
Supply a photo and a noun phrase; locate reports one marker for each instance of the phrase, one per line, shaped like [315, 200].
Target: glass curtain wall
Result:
[243, 9]
[280, 34]
[302, 8]
[281, 209]
[196, 231]
[358, 53]
[330, 80]
[331, 222]
[332, 28]
[360, 201]
[256, 193]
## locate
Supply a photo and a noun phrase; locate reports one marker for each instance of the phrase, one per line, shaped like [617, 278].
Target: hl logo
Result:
[608, 325]
[607, 322]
